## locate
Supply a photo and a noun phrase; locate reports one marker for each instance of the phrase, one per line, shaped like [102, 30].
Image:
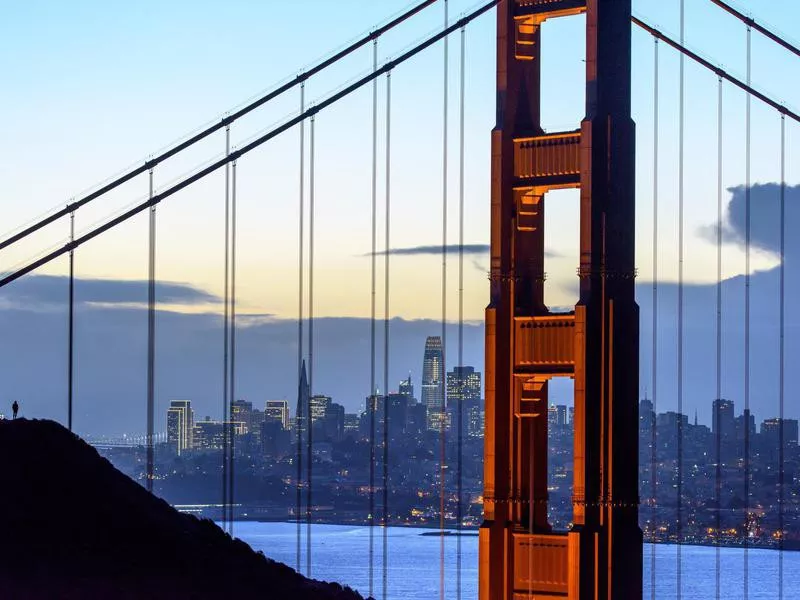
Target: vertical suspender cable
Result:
[151, 337]
[71, 324]
[781, 359]
[232, 379]
[460, 458]
[443, 368]
[747, 336]
[298, 417]
[386, 341]
[309, 457]
[225, 443]
[654, 374]
[372, 398]
[717, 433]
[680, 308]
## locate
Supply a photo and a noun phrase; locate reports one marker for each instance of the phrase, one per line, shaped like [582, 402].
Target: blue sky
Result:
[93, 87]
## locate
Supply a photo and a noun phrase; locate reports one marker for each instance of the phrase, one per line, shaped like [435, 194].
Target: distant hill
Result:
[75, 527]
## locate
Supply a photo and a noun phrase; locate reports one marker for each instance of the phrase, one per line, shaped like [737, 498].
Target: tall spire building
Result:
[433, 381]
[302, 412]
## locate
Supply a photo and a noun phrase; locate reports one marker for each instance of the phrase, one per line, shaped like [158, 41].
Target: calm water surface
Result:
[341, 553]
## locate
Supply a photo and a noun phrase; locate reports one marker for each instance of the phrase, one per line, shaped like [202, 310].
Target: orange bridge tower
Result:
[597, 344]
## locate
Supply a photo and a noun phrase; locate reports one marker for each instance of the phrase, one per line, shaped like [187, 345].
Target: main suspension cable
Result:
[750, 22]
[386, 402]
[151, 336]
[299, 414]
[717, 70]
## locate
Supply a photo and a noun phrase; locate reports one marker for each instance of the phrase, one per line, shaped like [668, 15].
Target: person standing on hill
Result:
[14, 409]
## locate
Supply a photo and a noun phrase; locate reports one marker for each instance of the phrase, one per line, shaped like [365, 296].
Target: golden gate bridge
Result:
[596, 344]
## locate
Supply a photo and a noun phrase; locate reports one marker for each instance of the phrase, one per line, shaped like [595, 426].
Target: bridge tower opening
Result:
[600, 558]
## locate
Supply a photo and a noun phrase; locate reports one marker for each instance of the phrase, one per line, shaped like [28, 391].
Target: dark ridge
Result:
[75, 527]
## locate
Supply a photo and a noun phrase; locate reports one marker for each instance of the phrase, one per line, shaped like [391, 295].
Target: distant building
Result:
[242, 412]
[562, 415]
[398, 414]
[475, 421]
[210, 435]
[319, 407]
[433, 390]
[406, 387]
[463, 384]
[723, 420]
[745, 426]
[351, 422]
[333, 422]
[417, 418]
[275, 439]
[277, 410]
[557, 415]
[372, 417]
[647, 417]
[180, 425]
[301, 413]
[771, 432]
[256, 420]
[440, 421]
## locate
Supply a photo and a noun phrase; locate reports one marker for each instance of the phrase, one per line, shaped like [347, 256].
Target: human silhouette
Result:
[15, 408]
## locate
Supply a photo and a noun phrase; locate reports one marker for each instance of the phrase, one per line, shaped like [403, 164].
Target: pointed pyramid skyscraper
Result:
[301, 413]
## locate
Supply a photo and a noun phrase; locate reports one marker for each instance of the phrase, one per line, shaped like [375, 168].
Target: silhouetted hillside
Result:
[75, 527]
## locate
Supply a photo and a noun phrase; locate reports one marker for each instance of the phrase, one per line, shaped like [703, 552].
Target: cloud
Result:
[765, 223]
[48, 291]
[436, 250]
[471, 249]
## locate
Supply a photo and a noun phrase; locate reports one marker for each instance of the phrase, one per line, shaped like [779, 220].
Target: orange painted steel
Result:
[520, 557]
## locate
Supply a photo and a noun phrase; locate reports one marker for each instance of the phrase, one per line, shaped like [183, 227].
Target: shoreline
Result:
[472, 531]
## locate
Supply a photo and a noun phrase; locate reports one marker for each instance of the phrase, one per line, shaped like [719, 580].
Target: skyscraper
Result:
[319, 407]
[463, 384]
[180, 425]
[301, 416]
[723, 421]
[242, 412]
[406, 387]
[771, 433]
[463, 391]
[557, 415]
[433, 381]
[277, 410]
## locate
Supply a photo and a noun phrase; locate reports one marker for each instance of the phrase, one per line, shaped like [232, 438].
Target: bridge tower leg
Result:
[597, 344]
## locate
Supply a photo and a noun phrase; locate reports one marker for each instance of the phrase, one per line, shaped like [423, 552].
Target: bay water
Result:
[341, 553]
